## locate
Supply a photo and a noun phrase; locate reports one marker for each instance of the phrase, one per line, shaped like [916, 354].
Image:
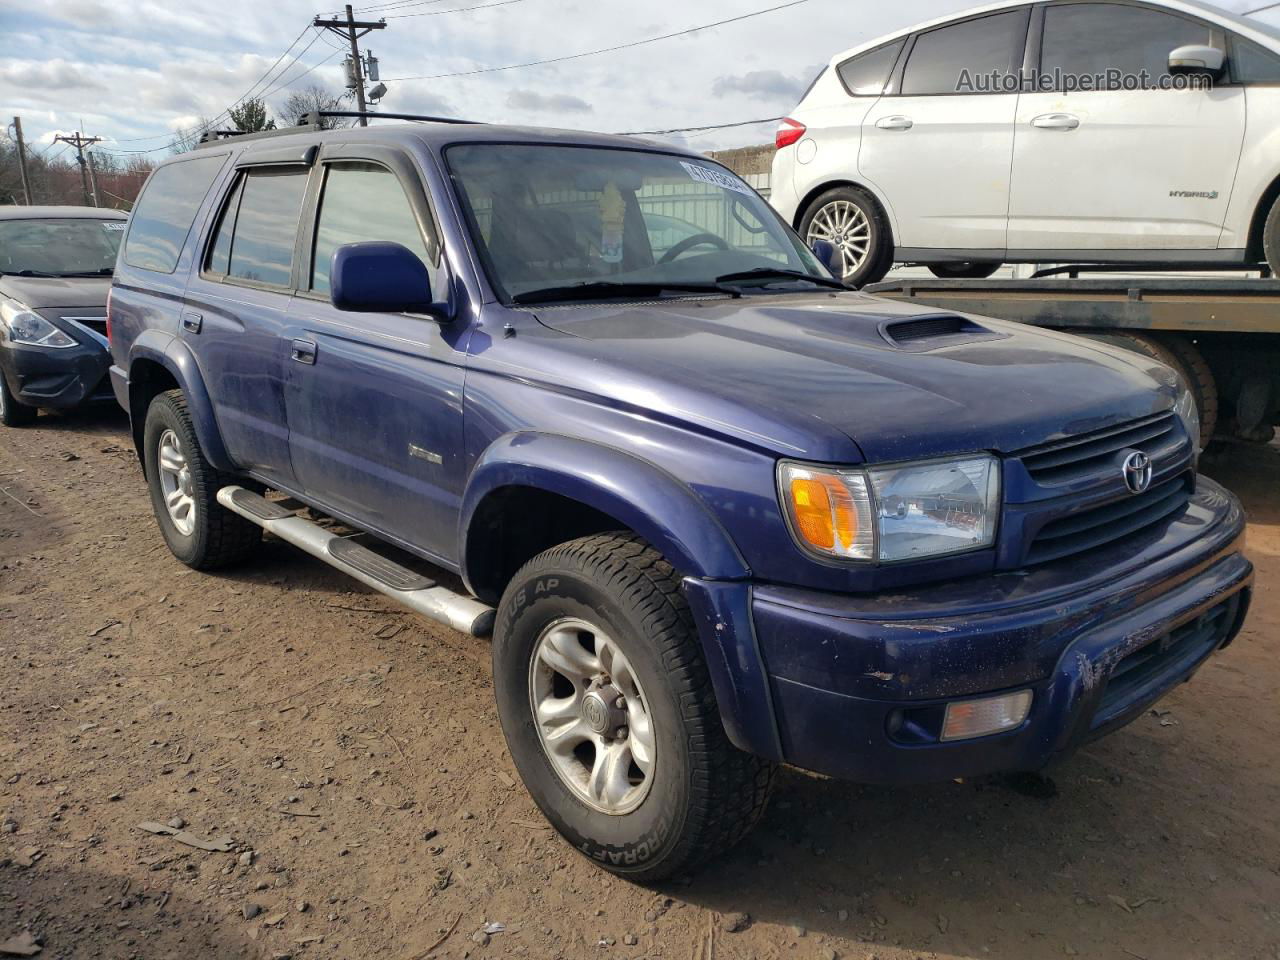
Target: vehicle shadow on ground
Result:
[104, 418]
[78, 911]
[981, 869]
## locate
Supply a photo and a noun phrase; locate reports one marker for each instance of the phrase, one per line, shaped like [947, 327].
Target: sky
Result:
[134, 71]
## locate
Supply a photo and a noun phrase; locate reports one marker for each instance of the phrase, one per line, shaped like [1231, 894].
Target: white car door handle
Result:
[894, 123]
[1056, 121]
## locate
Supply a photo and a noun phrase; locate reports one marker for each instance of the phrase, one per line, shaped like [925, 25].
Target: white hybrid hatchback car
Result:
[1122, 131]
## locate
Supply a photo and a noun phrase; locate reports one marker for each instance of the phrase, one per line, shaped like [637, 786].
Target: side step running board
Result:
[401, 584]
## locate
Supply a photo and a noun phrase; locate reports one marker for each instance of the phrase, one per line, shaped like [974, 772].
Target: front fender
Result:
[176, 357]
[641, 496]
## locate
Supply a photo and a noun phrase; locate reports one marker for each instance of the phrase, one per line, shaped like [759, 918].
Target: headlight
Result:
[27, 327]
[1189, 414]
[902, 512]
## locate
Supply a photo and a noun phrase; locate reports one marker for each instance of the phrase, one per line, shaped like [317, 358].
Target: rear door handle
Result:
[304, 351]
[192, 321]
[895, 123]
[1056, 121]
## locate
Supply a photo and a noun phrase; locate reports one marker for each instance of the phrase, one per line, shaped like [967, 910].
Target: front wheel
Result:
[13, 413]
[851, 220]
[607, 708]
[1271, 238]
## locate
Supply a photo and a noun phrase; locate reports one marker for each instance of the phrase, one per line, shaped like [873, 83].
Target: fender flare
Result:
[644, 497]
[177, 358]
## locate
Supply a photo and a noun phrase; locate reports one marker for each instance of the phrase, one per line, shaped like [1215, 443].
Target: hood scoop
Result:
[935, 330]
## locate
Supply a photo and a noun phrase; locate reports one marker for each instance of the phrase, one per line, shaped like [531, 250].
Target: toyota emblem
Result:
[1137, 471]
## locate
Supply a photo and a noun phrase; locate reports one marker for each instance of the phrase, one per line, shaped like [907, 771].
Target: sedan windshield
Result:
[59, 247]
[562, 223]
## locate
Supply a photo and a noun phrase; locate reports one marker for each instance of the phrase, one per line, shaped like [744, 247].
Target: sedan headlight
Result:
[901, 512]
[27, 327]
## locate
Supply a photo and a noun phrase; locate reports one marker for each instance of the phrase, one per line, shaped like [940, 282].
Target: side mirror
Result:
[829, 256]
[379, 277]
[1195, 58]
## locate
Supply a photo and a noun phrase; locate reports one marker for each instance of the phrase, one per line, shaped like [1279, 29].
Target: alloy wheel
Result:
[592, 716]
[175, 483]
[845, 225]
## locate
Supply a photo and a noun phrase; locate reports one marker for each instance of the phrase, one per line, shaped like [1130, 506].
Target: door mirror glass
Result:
[379, 277]
[829, 256]
[1197, 59]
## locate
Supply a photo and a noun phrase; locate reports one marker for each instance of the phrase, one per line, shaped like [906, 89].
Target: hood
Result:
[794, 370]
[39, 293]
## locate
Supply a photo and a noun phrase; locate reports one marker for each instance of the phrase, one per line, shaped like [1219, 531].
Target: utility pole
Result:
[93, 180]
[352, 30]
[80, 143]
[22, 160]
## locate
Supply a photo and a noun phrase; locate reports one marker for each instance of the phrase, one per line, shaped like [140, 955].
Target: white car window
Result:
[866, 74]
[1094, 38]
[1251, 63]
[978, 47]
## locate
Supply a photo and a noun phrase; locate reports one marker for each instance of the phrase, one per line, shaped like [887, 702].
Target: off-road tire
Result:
[219, 537]
[1186, 360]
[880, 249]
[706, 794]
[963, 271]
[13, 413]
[1271, 238]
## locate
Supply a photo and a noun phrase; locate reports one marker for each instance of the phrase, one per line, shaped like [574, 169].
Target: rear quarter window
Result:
[164, 213]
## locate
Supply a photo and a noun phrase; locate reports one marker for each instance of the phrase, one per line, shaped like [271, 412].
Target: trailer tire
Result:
[963, 271]
[1186, 360]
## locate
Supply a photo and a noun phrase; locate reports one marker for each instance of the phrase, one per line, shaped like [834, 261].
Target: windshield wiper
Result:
[30, 273]
[101, 272]
[606, 289]
[767, 274]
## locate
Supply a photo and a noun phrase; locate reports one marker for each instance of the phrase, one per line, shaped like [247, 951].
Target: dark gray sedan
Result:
[55, 273]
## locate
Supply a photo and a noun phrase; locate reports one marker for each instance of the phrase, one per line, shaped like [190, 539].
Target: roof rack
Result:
[212, 137]
[315, 115]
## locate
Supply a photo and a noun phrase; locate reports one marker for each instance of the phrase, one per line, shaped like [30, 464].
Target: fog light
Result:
[966, 719]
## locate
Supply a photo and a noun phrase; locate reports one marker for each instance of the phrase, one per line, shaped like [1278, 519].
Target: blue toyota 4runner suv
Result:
[719, 512]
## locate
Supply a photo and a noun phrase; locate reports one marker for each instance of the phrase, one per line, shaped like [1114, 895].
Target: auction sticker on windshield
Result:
[112, 224]
[715, 178]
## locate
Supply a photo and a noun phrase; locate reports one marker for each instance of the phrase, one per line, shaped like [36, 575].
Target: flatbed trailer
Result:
[1221, 334]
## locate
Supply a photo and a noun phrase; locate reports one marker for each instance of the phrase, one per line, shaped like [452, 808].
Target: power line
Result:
[440, 13]
[709, 126]
[592, 53]
[396, 5]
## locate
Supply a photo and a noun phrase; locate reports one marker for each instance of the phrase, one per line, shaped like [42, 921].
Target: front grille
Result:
[1140, 673]
[1111, 521]
[1085, 456]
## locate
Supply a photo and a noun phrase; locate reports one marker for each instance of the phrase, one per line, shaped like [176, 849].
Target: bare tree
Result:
[188, 138]
[309, 100]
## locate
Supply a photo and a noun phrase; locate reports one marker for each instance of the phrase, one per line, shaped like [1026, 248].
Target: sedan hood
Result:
[39, 293]
[797, 373]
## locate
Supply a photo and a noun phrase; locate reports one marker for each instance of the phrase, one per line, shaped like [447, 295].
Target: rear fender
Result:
[176, 357]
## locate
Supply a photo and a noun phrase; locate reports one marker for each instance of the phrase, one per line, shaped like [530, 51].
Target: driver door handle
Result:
[1055, 121]
[304, 351]
[898, 122]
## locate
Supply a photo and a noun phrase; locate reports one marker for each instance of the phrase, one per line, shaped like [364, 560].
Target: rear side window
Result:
[1094, 38]
[1251, 63]
[941, 58]
[164, 213]
[866, 74]
[361, 202]
[265, 227]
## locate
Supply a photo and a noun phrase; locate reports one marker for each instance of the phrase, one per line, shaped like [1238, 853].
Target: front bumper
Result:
[66, 377]
[855, 686]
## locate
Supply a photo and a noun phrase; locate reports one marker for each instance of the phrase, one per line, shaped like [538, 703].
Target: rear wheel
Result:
[963, 271]
[607, 708]
[13, 413]
[851, 220]
[1271, 238]
[184, 488]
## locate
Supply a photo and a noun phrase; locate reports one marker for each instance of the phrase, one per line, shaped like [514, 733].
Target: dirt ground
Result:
[352, 755]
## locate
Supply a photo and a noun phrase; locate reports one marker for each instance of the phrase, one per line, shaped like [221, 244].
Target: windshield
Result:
[59, 247]
[549, 218]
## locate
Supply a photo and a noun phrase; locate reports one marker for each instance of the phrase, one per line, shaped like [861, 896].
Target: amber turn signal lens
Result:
[824, 512]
